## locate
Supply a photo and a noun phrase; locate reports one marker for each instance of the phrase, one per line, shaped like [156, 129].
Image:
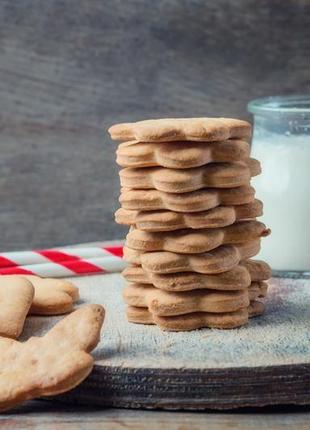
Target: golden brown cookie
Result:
[218, 175]
[196, 241]
[257, 290]
[16, 296]
[196, 201]
[256, 308]
[164, 303]
[191, 321]
[52, 296]
[181, 155]
[238, 278]
[218, 260]
[174, 129]
[220, 216]
[52, 364]
[259, 270]
[196, 320]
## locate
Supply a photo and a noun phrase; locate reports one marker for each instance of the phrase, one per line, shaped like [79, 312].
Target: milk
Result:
[284, 188]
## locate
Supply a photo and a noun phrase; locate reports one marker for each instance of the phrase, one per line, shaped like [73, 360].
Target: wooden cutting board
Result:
[265, 363]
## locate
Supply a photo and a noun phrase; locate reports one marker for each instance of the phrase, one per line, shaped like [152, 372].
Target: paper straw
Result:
[24, 258]
[107, 264]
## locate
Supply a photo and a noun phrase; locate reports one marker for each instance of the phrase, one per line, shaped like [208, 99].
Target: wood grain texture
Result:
[264, 363]
[48, 416]
[70, 69]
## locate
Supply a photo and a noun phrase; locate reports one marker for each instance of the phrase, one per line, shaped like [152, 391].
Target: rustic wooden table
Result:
[43, 415]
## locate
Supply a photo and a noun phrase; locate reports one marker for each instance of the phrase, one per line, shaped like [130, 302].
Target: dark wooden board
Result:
[137, 366]
[194, 388]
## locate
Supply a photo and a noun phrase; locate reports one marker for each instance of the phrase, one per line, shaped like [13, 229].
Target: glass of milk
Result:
[281, 141]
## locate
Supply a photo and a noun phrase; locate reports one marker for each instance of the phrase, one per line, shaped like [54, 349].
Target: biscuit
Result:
[220, 216]
[181, 155]
[257, 290]
[196, 241]
[196, 320]
[174, 129]
[237, 278]
[191, 321]
[163, 303]
[16, 296]
[52, 296]
[219, 175]
[197, 201]
[218, 260]
[256, 308]
[52, 364]
[259, 270]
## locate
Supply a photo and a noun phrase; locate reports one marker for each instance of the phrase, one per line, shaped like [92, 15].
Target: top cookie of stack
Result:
[189, 177]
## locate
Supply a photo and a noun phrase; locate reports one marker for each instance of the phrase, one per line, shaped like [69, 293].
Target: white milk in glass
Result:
[284, 188]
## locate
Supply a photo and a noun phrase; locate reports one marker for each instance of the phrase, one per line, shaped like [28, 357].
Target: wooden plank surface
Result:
[69, 69]
[50, 416]
[280, 337]
[267, 362]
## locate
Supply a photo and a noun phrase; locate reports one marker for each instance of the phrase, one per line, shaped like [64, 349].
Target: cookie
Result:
[257, 290]
[196, 201]
[259, 270]
[196, 320]
[52, 364]
[16, 296]
[52, 296]
[196, 241]
[191, 321]
[256, 308]
[218, 260]
[164, 303]
[174, 129]
[220, 216]
[238, 278]
[219, 175]
[181, 155]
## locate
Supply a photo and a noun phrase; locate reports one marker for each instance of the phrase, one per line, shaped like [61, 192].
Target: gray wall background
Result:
[69, 69]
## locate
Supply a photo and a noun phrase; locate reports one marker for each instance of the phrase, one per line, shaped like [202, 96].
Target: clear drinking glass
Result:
[281, 141]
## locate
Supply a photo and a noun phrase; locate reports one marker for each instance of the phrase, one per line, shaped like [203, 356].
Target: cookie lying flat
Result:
[173, 129]
[52, 364]
[256, 308]
[219, 175]
[196, 320]
[52, 296]
[163, 303]
[237, 278]
[218, 260]
[16, 296]
[181, 155]
[196, 201]
[196, 241]
[259, 270]
[257, 290]
[188, 322]
[220, 216]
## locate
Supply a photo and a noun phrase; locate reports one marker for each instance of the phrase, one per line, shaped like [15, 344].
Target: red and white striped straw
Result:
[62, 262]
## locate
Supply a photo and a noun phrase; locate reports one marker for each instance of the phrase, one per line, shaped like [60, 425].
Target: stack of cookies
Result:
[187, 198]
